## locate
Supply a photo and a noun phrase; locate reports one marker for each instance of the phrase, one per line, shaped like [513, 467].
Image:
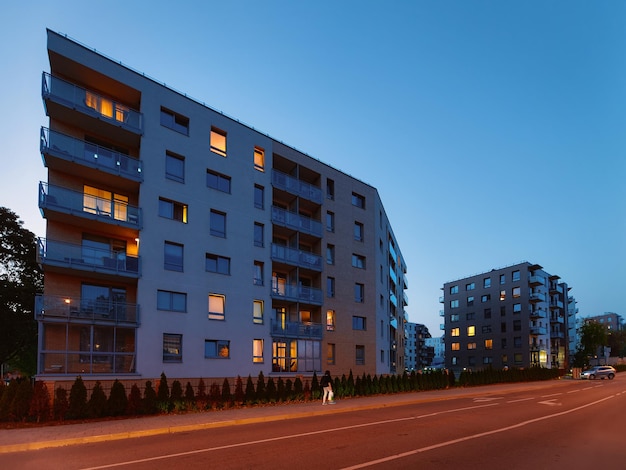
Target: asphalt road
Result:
[566, 424]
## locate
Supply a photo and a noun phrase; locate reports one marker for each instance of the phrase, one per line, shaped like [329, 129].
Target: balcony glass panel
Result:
[296, 221]
[297, 329]
[297, 187]
[297, 293]
[55, 306]
[296, 257]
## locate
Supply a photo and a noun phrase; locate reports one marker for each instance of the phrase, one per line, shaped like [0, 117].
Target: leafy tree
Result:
[20, 279]
[617, 343]
[592, 335]
[21, 401]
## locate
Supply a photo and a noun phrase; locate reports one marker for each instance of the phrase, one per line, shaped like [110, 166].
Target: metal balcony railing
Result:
[296, 221]
[76, 203]
[295, 186]
[85, 153]
[296, 257]
[304, 294]
[91, 103]
[538, 330]
[297, 329]
[72, 308]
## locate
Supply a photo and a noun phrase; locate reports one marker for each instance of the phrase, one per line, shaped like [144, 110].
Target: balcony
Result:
[81, 107]
[65, 308]
[296, 187]
[290, 329]
[536, 281]
[305, 294]
[66, 201]
[296, 221]
[67, 257]
[556, 304]
[57, 147]
[539, 313]
[557, 334]
[537, 297]
[538, 330]
[296, 257]
[557, 319]
[405, 299]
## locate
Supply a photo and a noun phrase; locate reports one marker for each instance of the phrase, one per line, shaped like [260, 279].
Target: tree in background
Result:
[592, 336]
[20, 279]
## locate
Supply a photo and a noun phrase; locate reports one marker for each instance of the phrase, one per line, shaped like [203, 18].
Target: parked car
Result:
[599, 372]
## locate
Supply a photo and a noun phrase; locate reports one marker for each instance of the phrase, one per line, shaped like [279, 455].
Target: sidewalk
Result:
[18, 440]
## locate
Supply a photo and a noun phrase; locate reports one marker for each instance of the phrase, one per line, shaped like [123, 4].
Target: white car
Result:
[599, 372]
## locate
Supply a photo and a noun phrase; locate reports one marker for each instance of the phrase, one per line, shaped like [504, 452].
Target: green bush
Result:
[118, 402]
[163, 394]
[150, 400]
[78, 400]
[7, 399]
[134, 401]
[61, 404]
[239, 394]
[250, 392]
[97, 404]
[21, 401]
[40, 409]
[226, 395]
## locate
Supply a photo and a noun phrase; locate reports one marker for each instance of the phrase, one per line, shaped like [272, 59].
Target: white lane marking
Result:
[291, 436]
[552, 395]
[550, 402]
[520, 399]
[574, 391]
[473, 436]
[482, 399]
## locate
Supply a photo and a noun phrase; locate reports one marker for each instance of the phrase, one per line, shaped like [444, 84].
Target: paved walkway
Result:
[18, 440]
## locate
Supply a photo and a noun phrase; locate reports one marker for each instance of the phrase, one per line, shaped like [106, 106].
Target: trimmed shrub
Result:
[150, 400]
[7, 399]
[215, 395]
[134, 401]
[78, 400]
[281, 392]
[21, 401]
[289, 390]
[61, 404]
[97, 404]
[226, 395]
[250, 392]
[240, 396]
[316, 392]
[261, 395]
[176, 396]
[270, 391]
[163, 394]
[40, 409]
[118, 402]
[298, 391]
[190, 397]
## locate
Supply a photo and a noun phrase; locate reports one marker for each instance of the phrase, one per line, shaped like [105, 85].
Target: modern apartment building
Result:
[417, 353]
[439, 350]
[515, 316]
[182, 241]
[610, 320]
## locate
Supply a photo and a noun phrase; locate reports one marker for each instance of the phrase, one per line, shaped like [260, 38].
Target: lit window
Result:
[216, 306]
[105, 203]
[471, 345]
[502, 295]
[360, 354]
[174, 167]
[173, 210]
[455, 332]
[218, 181]
[456, 346]
[216, 349]
[257, 312]
[330, 320]
[172, 347]
[217, 264]
[218, 141]
[172, 301]
[358, 200]
[175, 121]
[173, 256]
[257, 350]
[218, 224]
[488, 344]
[259, 159]
[471, 330]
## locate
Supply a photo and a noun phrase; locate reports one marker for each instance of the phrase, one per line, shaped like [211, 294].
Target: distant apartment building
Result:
[439, 351]
[182, 241]
[610, 320]
[417, 353]
[516, 316]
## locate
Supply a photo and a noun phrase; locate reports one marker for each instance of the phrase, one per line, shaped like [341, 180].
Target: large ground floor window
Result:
[296, 355]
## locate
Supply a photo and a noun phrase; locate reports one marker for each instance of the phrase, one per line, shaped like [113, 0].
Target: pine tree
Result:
[163, 394]
[250, 392]
[261, 394]
[239, 394]
[270, 390]
[226, 395]
[134, 401]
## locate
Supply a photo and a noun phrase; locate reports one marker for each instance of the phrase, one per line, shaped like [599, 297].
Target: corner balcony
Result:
[556, 304]
[66, 308]
[88, 109]
[308, 295]
[537, 297]
[59, 150]
[538, 330]
[68, 257]
[296, 222]
[296, 187]
[56, 199]
[304, 330]
[539, 313]
[295, 257]
[536, 281]
[557, 319]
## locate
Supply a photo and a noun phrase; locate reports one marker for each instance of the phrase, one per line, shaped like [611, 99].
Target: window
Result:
[330, 354]
[358, 200]
[487, 360]
[174, 121]
[218, 224]
[455, 332]
[172, 347]
[330, 287]
[454, 304]
[470, 300]
[503, 311]
[259, 159]
[257, 312]
[257, 350]
[517, 358]
[488, 344]
[486, 329]
[517, 325]
[330, 189]
[503, 327]
[105, 203]
[470, 316]
[517, 342]
[517, 292]
[485, 298]
[258, 273]
[216, 306]
[516, 276]
[330, 320]
[502, 278]
[360, 354]
[259, 196]
[358, 231]
[471, 330]
[173, 210]
[217, 264]
[358, 261]
[218, 141]
[454, 289]
[487, 313]
[517, 308]
[215, 180]
[503, 343]
[502, 295]
[486, 282]
[471, 345]
[359, 292]
[173, 256]
[174, 167]
[330, 254]
[470, 286]
[216, 349]
[454, 317]
[172, 301]
[330, 221]
[258, 234]
[358, 323]
[456, 346]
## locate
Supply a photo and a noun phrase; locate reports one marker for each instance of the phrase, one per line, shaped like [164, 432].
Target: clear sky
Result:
[494, 131]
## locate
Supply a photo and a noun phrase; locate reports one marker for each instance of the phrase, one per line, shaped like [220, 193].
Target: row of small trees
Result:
[25, 401]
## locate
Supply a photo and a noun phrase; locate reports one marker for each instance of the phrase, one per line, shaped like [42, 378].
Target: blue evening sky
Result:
[494, 131]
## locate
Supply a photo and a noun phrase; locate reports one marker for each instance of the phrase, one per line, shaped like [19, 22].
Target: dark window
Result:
[218, 224]
[358, 200]
[173, 210]
[174, 121]
[173, 256]
[173, 301]
[358, 323]
[259, 193]
[258, 234]
[217, 264]
[218, 181]
[174, 167]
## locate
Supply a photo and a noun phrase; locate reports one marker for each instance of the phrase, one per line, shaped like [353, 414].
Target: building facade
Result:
[515, 316]
[182, 241]
[439, 351]
[417, 352]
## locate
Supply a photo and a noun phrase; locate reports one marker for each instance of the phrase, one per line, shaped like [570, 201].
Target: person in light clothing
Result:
[327, 387]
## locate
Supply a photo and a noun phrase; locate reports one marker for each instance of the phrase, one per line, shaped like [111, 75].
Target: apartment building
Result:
[180, 240]
[610, 320]
[417, 353]
[516, 316]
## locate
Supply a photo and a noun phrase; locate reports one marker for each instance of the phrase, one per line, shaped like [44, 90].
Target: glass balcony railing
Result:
[537, 297]
[90, 103]
[111, 210]
[539, 313]
[67, 307]
[88, 154]
[538, 330]
[296, 257]
[555, 304]
[295, 221]
[295, 186]
[87, 258]
[289, 329]
[305, 294]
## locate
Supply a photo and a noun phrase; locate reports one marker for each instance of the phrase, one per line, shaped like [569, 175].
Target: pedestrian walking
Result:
[327, 389]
